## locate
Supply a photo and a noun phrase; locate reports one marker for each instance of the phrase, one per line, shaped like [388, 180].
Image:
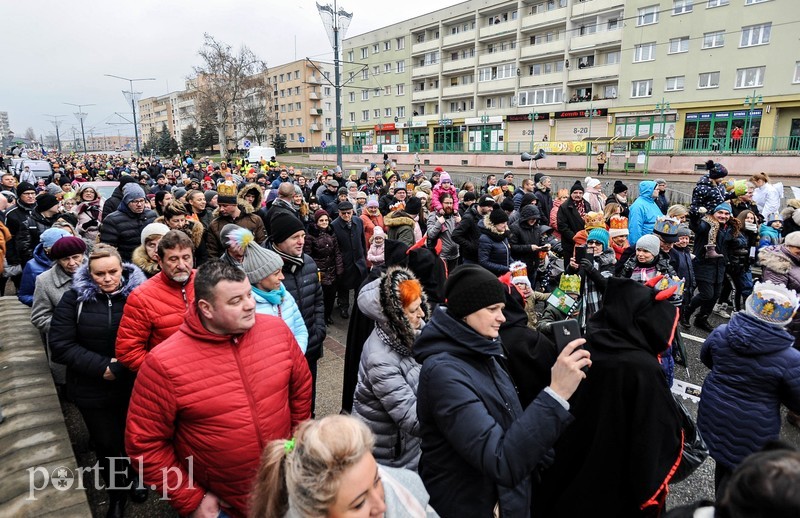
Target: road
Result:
[700, 485]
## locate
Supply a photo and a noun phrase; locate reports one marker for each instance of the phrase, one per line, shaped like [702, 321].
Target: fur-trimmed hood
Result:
[791, 212]
[489, 229]
[398, 218]
[778, 259]
[88, 290]
[193, 229]
[142, 260]
[246, 207]
[380, 300]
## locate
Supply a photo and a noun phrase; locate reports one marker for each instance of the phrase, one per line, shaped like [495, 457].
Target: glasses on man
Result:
[140, 201]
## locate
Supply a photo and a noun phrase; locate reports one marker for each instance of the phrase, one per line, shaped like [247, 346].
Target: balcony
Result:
[542, 79]
[498, 29]
[315, 111]
[532, 21]
[594, 6]
[459, 64]
[314, 127]
[426, 70]
[314, 96]
[425, 46]
[594, 74]
[314, 80]
[594, 105]
[498, 85]
[458, 39]
[539, 50]
[498, 57]
[425, 95]
[598, 39]
[458, 91]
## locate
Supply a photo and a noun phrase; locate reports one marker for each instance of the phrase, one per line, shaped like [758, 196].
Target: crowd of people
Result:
[185, 316]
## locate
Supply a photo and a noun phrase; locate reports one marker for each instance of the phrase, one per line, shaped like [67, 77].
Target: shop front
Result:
[386, 134]
[525, 129]
[361, 139]
[661, 127]
[485, 134]
[580, 124]
[448, 138]
[416, 135]
[717, 131]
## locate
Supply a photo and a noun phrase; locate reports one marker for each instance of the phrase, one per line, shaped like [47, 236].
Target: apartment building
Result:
[695, 70]
[4, 126]
[156, 111]
[302, 98]
[486, 76]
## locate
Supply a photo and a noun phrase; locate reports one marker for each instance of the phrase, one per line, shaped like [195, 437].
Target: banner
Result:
[563, 147]
[369, 148]
[394, 148]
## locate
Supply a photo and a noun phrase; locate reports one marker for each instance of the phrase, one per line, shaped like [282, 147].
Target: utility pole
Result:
[56, 123]
[133, 98]
[81, 116]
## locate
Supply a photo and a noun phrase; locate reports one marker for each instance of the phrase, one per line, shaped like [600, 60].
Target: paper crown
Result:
[397, 206]
[227, 189]
[729, 185]
[570, 283]
[772, 303]
[740, 187]
[594, 220]
[618, 226]
[668, 282]
[495, 191]
[519, 270]
[666, 226]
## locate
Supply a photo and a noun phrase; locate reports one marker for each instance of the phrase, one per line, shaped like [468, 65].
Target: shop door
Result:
[794, 135]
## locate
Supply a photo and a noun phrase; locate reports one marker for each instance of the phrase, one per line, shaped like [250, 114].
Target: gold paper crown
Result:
[618, 223]
[518, 269]
[227, 189]
[594, 220]
[570, 283]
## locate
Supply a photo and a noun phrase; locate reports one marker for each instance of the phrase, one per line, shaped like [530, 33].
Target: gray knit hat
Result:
[131, 192]
[259, 263]
[649, 242]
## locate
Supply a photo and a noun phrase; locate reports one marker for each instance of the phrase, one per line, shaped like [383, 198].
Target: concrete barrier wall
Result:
[33, 434]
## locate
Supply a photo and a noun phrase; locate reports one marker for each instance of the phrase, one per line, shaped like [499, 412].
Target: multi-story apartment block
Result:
[710, 66]
[487, 75]
[302, 98]
[4, 126]
[154, 112]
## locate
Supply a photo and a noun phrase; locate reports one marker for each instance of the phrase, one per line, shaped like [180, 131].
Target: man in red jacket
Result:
[156, 309]
[213, 395]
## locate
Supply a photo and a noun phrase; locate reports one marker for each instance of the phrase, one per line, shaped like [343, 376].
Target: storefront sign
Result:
[707, 115]
[574, 114]
[526, 117]
[369, 148]
[385, 127]
[475, 121]
[562, 147]
[394, 148]
[413, 124]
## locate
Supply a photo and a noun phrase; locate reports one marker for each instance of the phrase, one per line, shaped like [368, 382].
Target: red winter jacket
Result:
[154, 312]
[217, 400]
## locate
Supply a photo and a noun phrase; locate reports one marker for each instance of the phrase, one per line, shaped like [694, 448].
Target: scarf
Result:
[274, 297]
[290, 262]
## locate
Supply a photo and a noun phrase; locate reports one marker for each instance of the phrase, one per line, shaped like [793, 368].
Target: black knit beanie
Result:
[577, 186]
[498, 216]
[284, 226]
[471, 287]
[619, 187]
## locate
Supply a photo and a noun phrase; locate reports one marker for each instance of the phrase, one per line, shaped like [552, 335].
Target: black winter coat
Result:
[323, 247]
[478, 445]
[15, 220]
[354, 251]
[681, 261]
[30, 232]
[123, 229]
[570, 223]
[83, 333]
[711, 270]
[303, 283]
[467, 234]
[544, 200]
[524, 234]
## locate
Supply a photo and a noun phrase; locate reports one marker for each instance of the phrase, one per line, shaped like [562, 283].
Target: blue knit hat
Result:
[723, 206]
[598, 234]
[51, 235]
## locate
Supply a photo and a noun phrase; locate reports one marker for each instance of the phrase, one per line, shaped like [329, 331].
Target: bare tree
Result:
[255, 113]
[30, 134]
[223, 82]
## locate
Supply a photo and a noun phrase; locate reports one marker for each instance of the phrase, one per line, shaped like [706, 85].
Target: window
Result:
[328, 121]
[682, 6]
[327, 106]
[364, 53]
[751, 2]
[387, 45]
[674, 84]
[352, 75]
[364, 115]
[376, 113]
[491, 102]
[713, 39]
[291, 123]
[282, 78]
[677, 45]
[401, 112]
[328, 136]
[376, 70]
[708, 80]
[644, 52]
[796, 73]
[283, 123]
[365, 74]
[365, 95]
[467, 80]
[299, 121]
[643, 88]
[387, 68]
[549, 95]
[297, 90]
[352, 116]
[499, 72]
[755, 35]
[387, 112]
[387, 90]
[647, 15]
[401, 67]
[283, 93]
[326, 90]
[291, 107]
[352, 97]
[291, 135]
[401, 89]
[376, 48]
[400, 43]
[750, 77]
[350, 56]
[612, 57]
[297, 74]
[614, 24]
[376, 92]
[297, 106]
[717, 3]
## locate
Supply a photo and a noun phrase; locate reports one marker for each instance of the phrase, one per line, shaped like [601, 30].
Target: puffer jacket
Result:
[523, 234]
[140, 258]
[196, 232]
[754, 369]
[39, 264]
[643, 212]
[370, 222]
[50, 287]
[706, 195]
[257, 202]
[386, 394]
[303, 282]
[323, 247]
[444, 232]
[711, 270]
[494, 250]
[14, 220]
[400, 226]
[478, 445]
[780, 266]
[123, 229]
[154, 312]
[82, 336]
[544, 200]
[354, 251]
[250, 221]
[287, 311]
[219, 399]
[467, 234]
[30, 232]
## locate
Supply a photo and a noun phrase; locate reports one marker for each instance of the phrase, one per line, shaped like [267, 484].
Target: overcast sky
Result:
[55, 52]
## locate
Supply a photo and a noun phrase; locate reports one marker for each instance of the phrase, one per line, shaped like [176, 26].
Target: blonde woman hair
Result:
[306, 474]
[677, 211]
[610, 210]
[760, 176]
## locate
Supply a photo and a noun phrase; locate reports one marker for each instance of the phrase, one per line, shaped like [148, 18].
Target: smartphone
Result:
[580, 253]
[566, 331]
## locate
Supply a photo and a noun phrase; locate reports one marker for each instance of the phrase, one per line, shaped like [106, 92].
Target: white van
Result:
[255, 154]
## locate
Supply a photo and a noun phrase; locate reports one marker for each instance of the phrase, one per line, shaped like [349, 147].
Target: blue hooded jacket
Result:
[754, 369]
[39, 264]
[643, 213]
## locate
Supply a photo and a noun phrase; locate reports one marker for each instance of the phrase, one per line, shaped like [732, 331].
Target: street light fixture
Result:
[81, 116]
[56, 123]
[751, 101]
[662, 107]
[133, 97]
[532, 117]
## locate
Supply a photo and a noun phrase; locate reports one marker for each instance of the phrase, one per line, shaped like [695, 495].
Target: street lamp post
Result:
[133, 98]
[751, 101]
[81, 116]
[56, 123]
[590, 113]
[532, 117]
[662, 107]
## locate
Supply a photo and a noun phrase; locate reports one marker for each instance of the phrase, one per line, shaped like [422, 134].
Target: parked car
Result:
[40, 168]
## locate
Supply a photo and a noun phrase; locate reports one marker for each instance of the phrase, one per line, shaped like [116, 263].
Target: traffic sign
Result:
[302, 139]
[323, 144]
[246, 144]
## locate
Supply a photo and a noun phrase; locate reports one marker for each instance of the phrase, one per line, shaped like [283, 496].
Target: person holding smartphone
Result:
[595, 264]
